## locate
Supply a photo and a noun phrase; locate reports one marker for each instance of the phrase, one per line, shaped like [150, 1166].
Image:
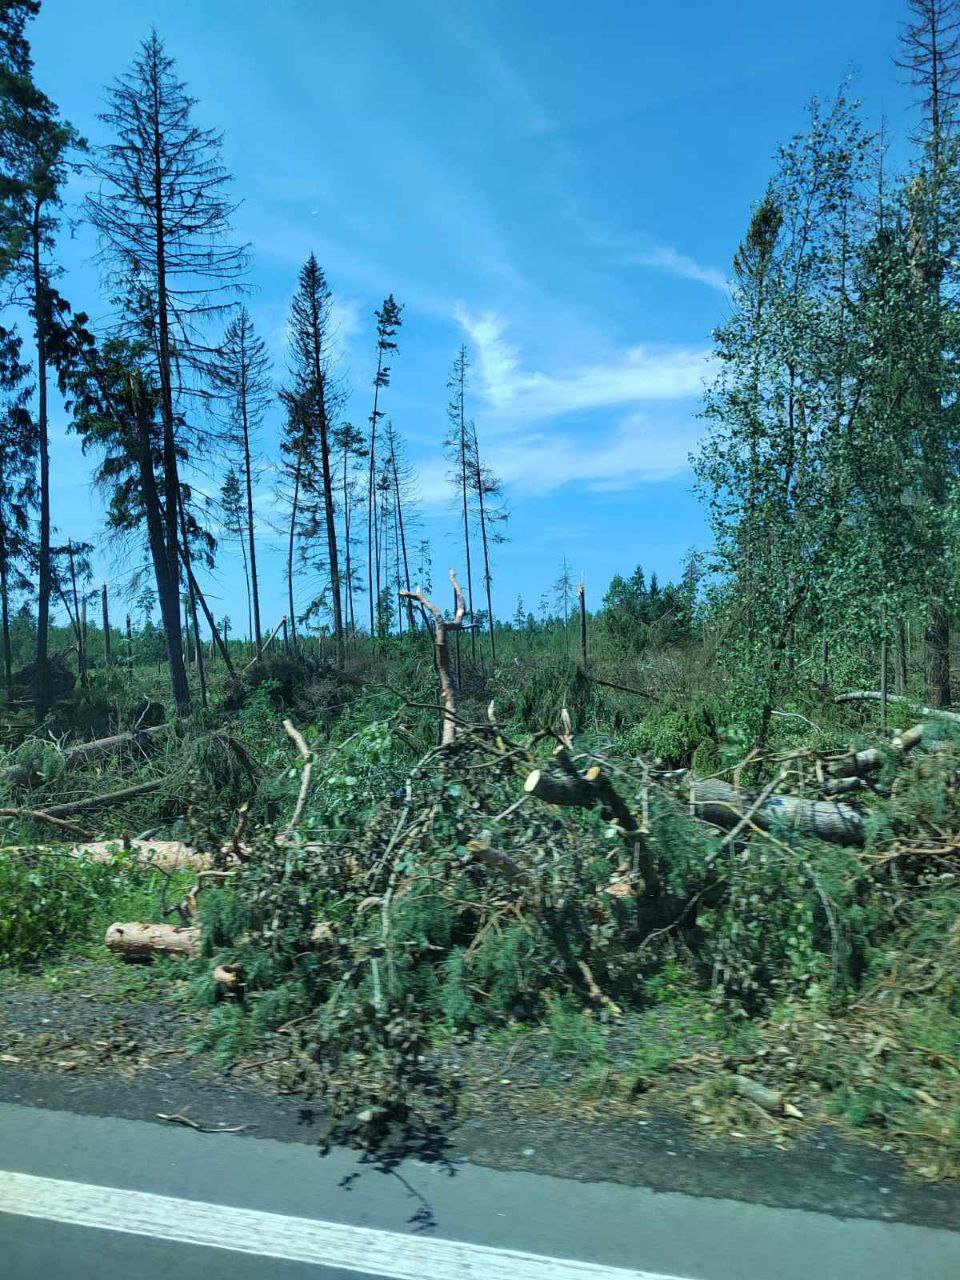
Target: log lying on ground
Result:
[107, 800]
[40, 815]
[166, 855]
[859, 764]
[86, 752]
[722, 805]
[572, 789]
[870, 695]
[759, 1094]
[138, 940]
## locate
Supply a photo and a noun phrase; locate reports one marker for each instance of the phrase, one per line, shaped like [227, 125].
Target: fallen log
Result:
[165, 855]
[108, 799]
[41, 815]
[759, 1094]
[139, 940]
[722, 805]
[870, 695]
[572, 789]
[86, 752]
[858, 764]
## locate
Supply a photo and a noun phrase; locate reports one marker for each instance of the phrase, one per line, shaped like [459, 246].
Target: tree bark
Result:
[722, 805]
[569, 788]
[327, 480]
[168, 592]
[248, 478]
[938, 656]
[442, 657]
[139, 940]
[294, 509]
[44, 575]
[105, 611]
[5, 618]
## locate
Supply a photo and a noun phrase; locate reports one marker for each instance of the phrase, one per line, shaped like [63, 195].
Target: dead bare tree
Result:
[440, 627]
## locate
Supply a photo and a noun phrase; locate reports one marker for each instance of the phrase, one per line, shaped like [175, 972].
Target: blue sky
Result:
[561, 186]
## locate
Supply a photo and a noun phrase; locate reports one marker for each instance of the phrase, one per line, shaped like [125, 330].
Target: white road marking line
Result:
[275, 1235]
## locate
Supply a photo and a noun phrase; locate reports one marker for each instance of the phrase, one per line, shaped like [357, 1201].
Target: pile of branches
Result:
[501, 874]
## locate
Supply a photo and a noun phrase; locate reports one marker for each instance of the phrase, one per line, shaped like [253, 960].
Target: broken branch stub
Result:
[449, 730]
[571, 789]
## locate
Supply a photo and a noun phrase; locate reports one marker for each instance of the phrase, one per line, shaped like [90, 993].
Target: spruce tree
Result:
[458, 444]
[163, 213]
[35, 145]
[317, 403]
[242, 371]
[389, 319]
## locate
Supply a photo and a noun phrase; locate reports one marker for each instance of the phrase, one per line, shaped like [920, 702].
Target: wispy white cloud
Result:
[629, 378]
[635, 450]
[649, 439]
[666, 258]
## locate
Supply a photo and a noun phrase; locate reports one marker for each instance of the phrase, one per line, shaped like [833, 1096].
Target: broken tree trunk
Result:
[165, 855]
[869, 695]
[569, 788]
[105, 801]
[859, 764]
[86, 752]
[722, 805]
[257, 657]
[138, 940]
[449, 730]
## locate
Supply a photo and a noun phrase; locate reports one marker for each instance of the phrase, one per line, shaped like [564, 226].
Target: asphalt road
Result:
[95, 1198]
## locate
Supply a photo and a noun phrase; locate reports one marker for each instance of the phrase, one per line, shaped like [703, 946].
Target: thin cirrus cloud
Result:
[631, 377]
[679, 264]
[656, 391]
[536, 463]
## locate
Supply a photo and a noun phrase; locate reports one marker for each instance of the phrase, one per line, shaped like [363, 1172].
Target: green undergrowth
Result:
[381, 937]
[50, 901]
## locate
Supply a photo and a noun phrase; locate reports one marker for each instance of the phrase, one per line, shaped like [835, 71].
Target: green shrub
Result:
[50, 900]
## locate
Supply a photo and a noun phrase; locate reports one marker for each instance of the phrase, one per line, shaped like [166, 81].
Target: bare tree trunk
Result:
[582, 599]
[938, 656]
[466, 517]
[486, 553]
[168, 592]
[192, 599]
[254, 585]
[372, 533]
[442, 657]
[347, 549]
[44, 575]
[5, 617]
[105, 610]
[215, 636]
[84, 636]
[294, 510]
[327, 479]
[411, 618]
[901, 677]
